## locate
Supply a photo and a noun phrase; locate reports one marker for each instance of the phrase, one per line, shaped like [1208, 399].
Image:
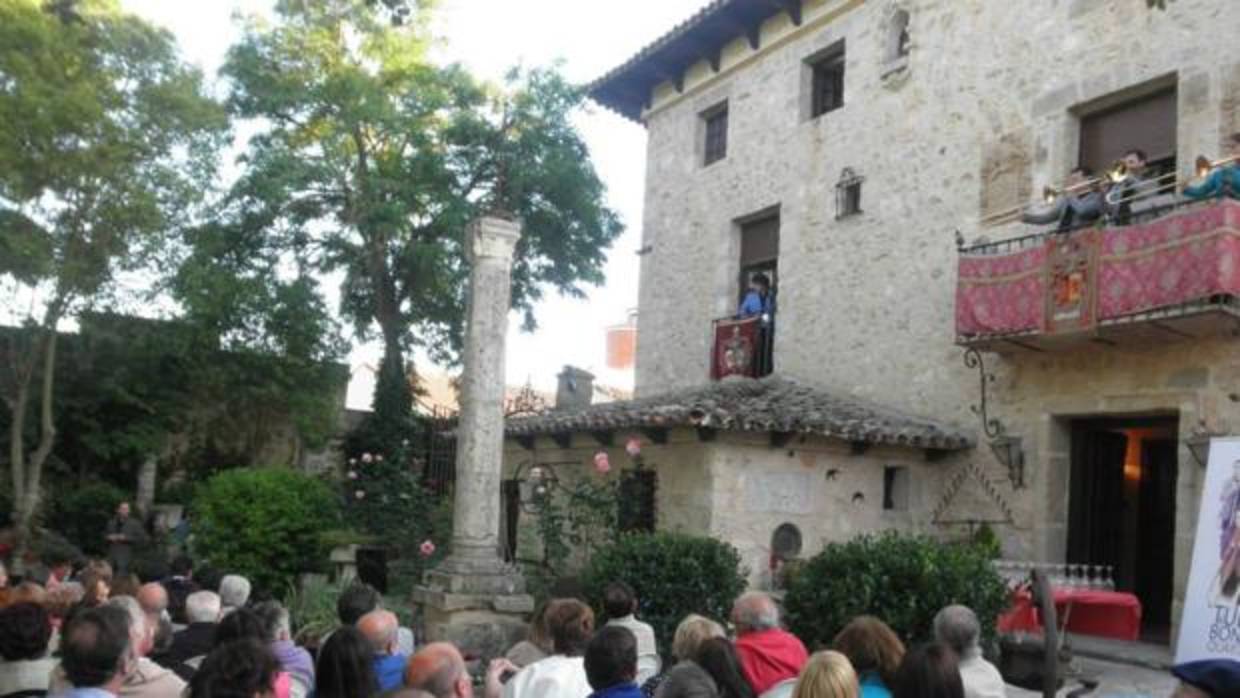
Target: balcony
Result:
[1174, 274]
[742, 347]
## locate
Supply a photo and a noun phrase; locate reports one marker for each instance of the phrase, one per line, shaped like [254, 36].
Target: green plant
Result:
[81, 513]
[902, 579]
[312, 609]
[673, 575]
[265, 523]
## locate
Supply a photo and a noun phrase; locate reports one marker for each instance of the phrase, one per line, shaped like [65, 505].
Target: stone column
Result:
[474, 598]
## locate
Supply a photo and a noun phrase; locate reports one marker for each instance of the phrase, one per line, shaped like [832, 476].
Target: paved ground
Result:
[1117, 681]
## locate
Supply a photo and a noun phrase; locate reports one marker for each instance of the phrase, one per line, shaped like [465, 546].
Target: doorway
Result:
[1121, 509]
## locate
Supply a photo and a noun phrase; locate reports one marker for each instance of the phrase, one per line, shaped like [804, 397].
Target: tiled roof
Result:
[771, 404]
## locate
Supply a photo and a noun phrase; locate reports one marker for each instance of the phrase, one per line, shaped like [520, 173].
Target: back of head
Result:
[241, 624]
[234, 591]
[202, 607]
[718, 657]
[871, 646]
[958, 628]
[153, 597]
[356, 601]
[139, 632]
[754, 611]
[25, 629]
[618, 600]
[95, 646]
[827, 674]
[126, 585]
[928, 671]
[29, 592]
[182, 566]
[570, 624]
[691, 633]
[436, 669]
[239, 669]
[96, 581]
[379, 627]
[345, 666]
[611, 657]
[275, 618]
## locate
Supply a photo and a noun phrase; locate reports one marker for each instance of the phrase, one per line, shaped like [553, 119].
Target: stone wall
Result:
[985, 111]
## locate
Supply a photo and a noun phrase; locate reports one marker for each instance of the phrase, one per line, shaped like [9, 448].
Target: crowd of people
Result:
[93, 634]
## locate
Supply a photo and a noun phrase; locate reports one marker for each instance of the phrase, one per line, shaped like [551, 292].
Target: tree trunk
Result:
[146, 484]
[28, 473]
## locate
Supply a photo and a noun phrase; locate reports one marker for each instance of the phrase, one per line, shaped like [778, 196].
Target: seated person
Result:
[1136, 191]
[379, 627]
[611, 663]
[757, 300]
[957, 627]
[620, 603]
[1206, 678]
[1221, 181]
[1079, 206]
[768, 653]
[563, 674]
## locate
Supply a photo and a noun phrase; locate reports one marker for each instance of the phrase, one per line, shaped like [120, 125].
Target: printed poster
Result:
[1210, 626]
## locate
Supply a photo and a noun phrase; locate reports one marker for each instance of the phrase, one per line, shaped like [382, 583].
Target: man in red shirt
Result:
[768, 653]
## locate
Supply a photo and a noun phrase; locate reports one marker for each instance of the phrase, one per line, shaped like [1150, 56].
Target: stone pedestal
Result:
[473, 598]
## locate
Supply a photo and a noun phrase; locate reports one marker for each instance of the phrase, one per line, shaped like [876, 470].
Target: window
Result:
[636, 505]
[1147, 123]
[898, 37]
[716, 134]
[759, 251]
[895, 488]
[848, 194]
[827, 82]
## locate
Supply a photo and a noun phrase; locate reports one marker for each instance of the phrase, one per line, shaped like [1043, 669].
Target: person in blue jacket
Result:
[757, 300]
[1221, 181]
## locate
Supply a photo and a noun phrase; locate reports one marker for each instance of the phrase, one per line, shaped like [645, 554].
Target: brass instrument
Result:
[1117, 173]
[1204, 165]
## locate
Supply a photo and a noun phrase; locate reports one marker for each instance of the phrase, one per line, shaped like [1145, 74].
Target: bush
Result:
[902, 579]
[266, 524]
[81, 513]
[673, 575]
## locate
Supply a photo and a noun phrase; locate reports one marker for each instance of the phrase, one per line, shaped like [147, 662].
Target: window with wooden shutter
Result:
[716, 134]
[828, 82]
[1147, 123]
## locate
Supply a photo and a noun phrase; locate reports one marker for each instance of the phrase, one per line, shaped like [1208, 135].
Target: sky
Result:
[489, 36]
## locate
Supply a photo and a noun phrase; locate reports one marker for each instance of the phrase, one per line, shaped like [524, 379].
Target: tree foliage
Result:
[107, 140]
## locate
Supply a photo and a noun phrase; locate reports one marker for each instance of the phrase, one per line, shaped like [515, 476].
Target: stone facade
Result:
[984, 110]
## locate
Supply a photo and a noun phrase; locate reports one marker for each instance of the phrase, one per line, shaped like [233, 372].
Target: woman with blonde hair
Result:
[827, 674]
[687, 679]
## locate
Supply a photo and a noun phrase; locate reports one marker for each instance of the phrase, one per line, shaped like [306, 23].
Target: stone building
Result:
[841, 146]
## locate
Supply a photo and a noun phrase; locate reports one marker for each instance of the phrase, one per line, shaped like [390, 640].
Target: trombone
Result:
[1050, 194]
[1204, 165]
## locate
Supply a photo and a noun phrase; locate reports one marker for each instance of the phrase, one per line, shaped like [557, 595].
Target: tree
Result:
[106, 141]
[373, 160]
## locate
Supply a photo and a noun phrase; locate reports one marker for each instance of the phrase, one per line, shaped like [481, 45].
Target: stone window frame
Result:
[897, 488]
[848, 194]
[897, 45]
[812, 68]
[709, 119]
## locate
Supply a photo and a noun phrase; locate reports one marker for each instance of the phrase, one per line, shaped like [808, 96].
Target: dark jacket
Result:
[194, 641]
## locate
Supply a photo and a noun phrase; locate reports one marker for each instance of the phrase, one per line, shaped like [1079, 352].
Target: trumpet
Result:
[1204, 165]
[1117, 173]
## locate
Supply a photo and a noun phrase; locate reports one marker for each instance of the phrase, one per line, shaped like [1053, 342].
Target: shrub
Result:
[902, 579]
[266, 524]
[312, 610]
[673, 575]
[81, 513]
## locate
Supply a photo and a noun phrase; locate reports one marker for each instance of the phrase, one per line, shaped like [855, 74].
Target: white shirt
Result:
[648, 662]
[556, 676]
[980, 678]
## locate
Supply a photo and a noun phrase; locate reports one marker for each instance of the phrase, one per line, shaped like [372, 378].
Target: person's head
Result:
[345, 667]
[126, 585]
[827, 674]
[1206, 678]
[611, 657]
[202, 607]
[96, 581]
[718, 657]
[95, 649]
[928, 671]
[439, 669]
[58, 563]
[1079, 174]
[154, 598]
[619, 600]
[570, 624]
[957, 627]
[760, 282]
[754, 611]
[234, 591]
[25, 629]
[28, 592]
[380, 627]
[537, 633]
[63, 598]
[239, 625]
[691, 633]
[275, 619]
[871, 646]
[141, 633]
[182, 566]
[355, 601]
[122, 510]
[1135, 160]
[239, 669]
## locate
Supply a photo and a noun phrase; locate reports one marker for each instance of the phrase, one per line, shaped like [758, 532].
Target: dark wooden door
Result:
[1096, 496]
[1156, 554]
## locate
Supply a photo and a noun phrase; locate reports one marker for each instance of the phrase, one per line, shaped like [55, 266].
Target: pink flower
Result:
[378, 457]
[633, 447]
[427, 548]
[360, 494]
[352, 461]
[366, 458]
[602, 463]
[352, 474]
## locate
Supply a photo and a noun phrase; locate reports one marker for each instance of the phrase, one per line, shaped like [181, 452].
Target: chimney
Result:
[575, 389]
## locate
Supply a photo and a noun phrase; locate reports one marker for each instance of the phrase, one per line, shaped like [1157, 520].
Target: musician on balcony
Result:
[757, 300]
[1223, 180]
[1133, 190]
[1079, 204]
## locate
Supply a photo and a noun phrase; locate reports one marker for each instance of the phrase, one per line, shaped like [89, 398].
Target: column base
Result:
[480, 623]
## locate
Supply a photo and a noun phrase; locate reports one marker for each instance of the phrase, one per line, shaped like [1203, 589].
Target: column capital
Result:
[491, 237]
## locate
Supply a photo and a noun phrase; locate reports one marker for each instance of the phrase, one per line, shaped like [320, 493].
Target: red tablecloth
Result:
[1113, 614]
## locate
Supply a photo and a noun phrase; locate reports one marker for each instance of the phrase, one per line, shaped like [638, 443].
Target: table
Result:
[1113, 614]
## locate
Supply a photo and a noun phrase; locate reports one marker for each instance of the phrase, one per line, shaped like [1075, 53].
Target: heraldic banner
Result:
[735, 348]
[1210, 625]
